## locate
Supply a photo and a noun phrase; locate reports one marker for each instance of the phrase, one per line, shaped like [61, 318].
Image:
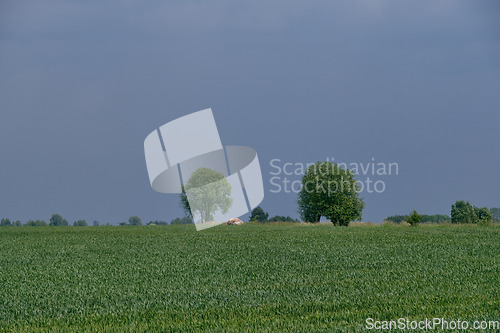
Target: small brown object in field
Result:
[234, 221]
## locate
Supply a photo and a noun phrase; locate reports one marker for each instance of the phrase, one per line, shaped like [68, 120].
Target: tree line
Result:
[461, 212]
[327, 191]
[56, 220]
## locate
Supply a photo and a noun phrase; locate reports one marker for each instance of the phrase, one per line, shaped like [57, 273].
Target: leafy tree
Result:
[17, 223]
[414, 218]
[329, 191]
[258, 215]
[57, 220]
[80, 223]
[36, 223]
[208, 191]
[279, 218]
[135, 220]
[95, 223]
[5, 222]
[465, 212]
[484, 215]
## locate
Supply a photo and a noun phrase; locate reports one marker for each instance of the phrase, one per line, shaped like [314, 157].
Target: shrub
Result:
[259, 215]
[485, 222]
[414, 218]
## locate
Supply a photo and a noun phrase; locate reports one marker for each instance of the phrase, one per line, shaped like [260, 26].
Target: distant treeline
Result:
[436, 218]
[55, 220]
[461, 212]
[58, 220]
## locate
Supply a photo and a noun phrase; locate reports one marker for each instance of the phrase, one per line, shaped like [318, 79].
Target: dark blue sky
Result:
[83, 82]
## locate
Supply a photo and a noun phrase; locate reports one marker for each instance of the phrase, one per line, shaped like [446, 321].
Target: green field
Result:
[288, 277]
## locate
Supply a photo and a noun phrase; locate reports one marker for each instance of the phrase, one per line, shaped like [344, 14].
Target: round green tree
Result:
[135, 220]
[206, 192]
[58, 220]
[329, 191]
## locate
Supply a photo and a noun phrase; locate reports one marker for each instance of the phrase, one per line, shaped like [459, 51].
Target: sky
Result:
[82, 83]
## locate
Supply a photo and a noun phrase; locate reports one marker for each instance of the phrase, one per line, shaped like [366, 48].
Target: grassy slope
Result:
[253, 277]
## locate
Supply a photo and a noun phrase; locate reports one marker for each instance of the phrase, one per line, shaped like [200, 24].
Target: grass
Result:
[254, 277]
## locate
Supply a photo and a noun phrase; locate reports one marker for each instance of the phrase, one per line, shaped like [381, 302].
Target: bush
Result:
[414, 218]
[485, 223]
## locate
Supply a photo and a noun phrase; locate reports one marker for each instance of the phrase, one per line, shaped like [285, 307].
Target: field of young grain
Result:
[248, 278]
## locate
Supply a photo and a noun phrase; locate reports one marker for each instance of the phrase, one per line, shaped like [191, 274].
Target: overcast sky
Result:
[82, 83]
